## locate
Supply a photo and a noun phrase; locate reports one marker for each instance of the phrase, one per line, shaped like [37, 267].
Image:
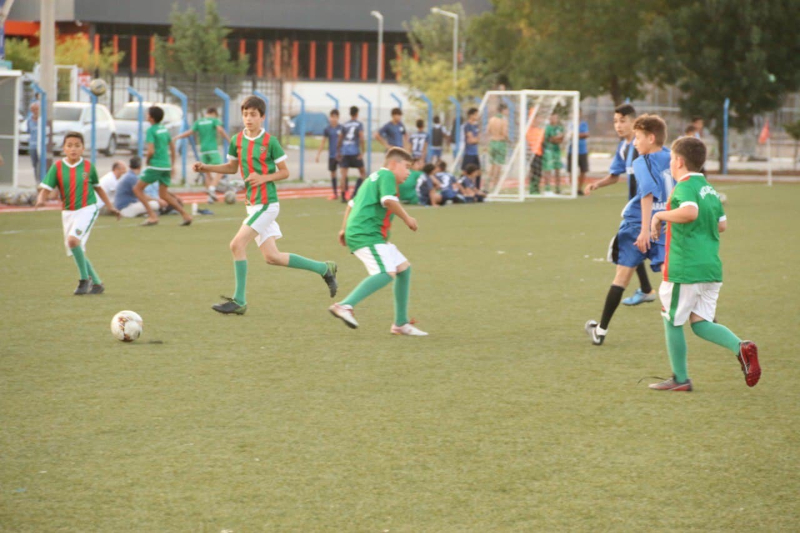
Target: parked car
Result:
[77, 116]
[315, 123]
[127, 120]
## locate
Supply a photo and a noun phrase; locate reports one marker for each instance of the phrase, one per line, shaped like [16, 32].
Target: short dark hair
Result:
[428, 168]
[420, 123]
[441, 165]
[334, 113]
[693, 152]
[395, 152]
[436, 119]
[73, 135]
[471, 168]
[654, 125]
[211, 110]
[625, 110]
[156, 113]
[690, 129]
[472, 111]
[396, 111]
[501, 106]
[353, 111]
[254, 102]
[135, 162]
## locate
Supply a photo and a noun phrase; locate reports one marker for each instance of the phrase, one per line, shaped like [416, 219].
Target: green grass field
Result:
[505, 418]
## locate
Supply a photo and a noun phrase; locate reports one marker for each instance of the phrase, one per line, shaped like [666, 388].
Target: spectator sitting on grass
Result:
[467, 182]
[126, 202]
[109, 184]
[428, 186]
[450, 188]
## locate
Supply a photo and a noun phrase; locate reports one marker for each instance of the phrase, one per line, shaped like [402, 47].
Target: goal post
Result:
[517, 166]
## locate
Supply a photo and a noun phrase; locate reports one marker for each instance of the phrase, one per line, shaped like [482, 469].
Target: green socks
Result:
[718, 334]
[80, 260]
[298, 261]
[92, 272]
[676, 347]
[367, 287]
[240, 268]
[402, 290]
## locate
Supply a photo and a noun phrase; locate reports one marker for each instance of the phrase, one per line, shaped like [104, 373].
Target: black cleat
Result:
[84, 286]
[229, 307]
[97, 289]
[330, 277]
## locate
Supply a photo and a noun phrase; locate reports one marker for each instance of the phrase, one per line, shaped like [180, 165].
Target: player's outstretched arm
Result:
[41, 198]
[185, 134]
[394, 207]
[226, 168]
[344, 225]
[224, 133]
[106, 200]
[321, 146]
[610, 179]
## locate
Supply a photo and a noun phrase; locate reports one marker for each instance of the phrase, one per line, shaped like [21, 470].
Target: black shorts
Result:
[471, 160]
[583, 163]
[332, 164]
[351, 161]
[536, 166]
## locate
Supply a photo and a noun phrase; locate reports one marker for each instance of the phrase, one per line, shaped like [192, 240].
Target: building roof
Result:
[339, 15]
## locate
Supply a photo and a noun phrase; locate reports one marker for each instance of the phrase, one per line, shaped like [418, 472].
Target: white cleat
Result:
[596, 334]
[345, 314]
[407, 329]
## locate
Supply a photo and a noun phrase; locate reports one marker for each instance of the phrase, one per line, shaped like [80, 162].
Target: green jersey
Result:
[551, 131]
[206, 129]
[407, 191]
[369, 220]
[160, 138]
[75, 182]
[693, 248]
[260, 155]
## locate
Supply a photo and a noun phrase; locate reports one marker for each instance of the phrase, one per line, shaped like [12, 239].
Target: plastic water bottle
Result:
[194, 208]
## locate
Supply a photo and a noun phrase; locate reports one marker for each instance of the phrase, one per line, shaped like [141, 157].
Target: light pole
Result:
[454, 16]
[379, 16]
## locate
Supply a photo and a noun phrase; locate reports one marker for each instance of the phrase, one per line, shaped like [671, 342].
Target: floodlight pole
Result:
[42, 128]
[184, 126]
[427, 100]
[379, 16]
[369, 132]
[454, 16]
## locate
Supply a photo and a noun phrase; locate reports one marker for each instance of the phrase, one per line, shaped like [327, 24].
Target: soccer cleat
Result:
[748, 358]
[407, 329]
[672, 385]
[84, 286]
[595, 333]
[345, 314]
[640, 297]
[211, 197]
[186, 222]
[229, 307]
[97, 288]
[330, 277]
[333, 196]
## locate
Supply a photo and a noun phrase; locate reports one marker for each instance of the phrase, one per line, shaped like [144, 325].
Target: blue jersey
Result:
[393, 133]
[332, 133]
[446, 179]
[583, 145]
[418, 141]
[352, 134]
[470, 148]
[652, 177]
[424, 186]
[124, 195]
[466, 182]
[623, 164]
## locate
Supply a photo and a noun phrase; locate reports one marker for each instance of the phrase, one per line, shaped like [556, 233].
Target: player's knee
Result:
[272, 258]
[236, 246]
[72, 242]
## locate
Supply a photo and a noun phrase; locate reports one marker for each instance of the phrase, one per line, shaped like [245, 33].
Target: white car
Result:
[77, 116]
[127, 120]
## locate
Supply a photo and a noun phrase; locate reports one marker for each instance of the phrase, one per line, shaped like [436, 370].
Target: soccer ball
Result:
[98, 87]
[126, 326]
[230, 197]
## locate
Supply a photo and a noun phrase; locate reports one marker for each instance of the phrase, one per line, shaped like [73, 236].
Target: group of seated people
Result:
[431, 185]
[119, 183]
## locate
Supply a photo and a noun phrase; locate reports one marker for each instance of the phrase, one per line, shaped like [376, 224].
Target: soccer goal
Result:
[520, 166]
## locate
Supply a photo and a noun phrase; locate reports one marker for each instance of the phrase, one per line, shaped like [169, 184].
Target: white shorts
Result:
[262, 219]
[137, 209]
[78, 224]
[380, 258]
[680, 300]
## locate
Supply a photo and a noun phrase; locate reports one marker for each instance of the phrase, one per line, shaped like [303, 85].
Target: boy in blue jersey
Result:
[419, 142]
[583, 154]
[469, 190]
[331, 135]
[624, 116]
[350, 146]
[450, 188]
[471, 136]
[632, 245]
[438, 135]
[393, 133]
[428, 187]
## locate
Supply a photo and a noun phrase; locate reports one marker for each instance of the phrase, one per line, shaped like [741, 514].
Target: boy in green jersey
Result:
[206, 129]
[407, 191]
[365, 230]
[551, 158]
[262, 162]
[159, 155]
[692, 268]
[76, 180]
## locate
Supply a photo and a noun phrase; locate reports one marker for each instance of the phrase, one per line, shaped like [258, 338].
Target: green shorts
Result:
[497, 152]
[211, 158]
[151, 175]
[551, 160]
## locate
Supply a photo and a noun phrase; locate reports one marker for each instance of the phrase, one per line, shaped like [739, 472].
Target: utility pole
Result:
[47, 64]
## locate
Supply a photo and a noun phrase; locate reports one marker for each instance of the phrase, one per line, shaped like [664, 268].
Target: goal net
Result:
[521, 157]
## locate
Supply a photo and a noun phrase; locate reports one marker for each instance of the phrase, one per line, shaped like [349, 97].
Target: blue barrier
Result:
[266, 113]
[302, 131]
[457, 132]
[140, 118]
[42, 131]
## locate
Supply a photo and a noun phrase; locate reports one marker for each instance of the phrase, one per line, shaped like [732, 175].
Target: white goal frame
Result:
[530, 99]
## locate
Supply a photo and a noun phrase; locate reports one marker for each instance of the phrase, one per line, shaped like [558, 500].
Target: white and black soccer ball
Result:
[98, 87]
[230, 197]
[126, 326]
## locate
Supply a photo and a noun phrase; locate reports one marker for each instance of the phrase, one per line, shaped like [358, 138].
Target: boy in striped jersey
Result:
[76, 180]
[692, 268]
[365, 230]
[262, 162]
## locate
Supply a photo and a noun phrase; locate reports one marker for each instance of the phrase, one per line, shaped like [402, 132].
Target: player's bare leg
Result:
[138, 191]
[163, 192]
[273, 256]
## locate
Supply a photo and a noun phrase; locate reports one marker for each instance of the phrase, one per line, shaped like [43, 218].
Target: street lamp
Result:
[454, 16]
[379, 16]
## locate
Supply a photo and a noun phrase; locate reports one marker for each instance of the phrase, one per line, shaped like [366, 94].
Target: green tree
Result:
[22, 55]
[70, 50]
[717, 49]
[793, 130]
[196, 46]
[583, 45]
